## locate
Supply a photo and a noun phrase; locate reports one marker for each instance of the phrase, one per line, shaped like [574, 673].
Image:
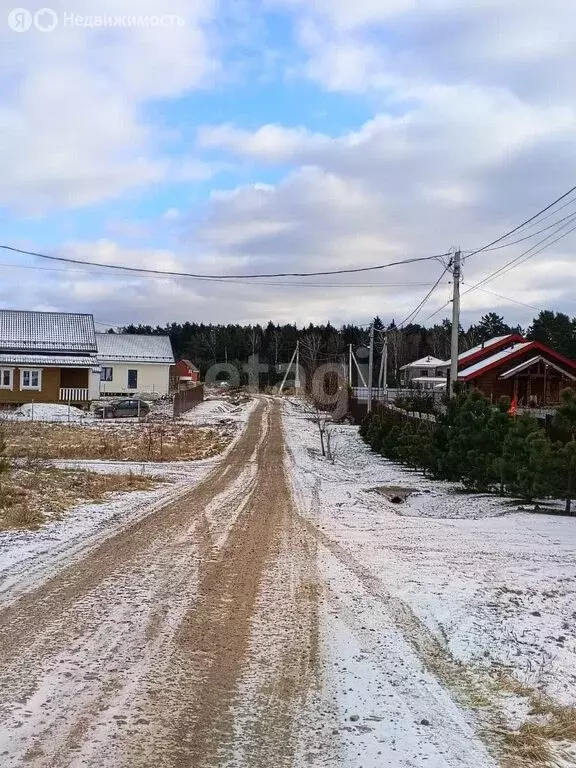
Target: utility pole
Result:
[297, 377]
[383, 376]
[295, 356]
[455, 322]
[350, 366]
[370, 368]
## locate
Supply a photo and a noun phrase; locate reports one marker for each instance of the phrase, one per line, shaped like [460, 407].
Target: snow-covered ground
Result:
[52, 412]
[216, 411]
[27, 557]
[493, 585]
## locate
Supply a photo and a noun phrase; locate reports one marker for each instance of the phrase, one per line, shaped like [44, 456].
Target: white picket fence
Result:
[74, 395]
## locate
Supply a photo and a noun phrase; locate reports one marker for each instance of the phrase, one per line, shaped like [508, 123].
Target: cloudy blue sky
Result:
[285, 135]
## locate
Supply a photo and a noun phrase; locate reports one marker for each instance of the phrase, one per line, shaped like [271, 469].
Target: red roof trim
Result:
[531, 345]
[492, 349]
[566, 360]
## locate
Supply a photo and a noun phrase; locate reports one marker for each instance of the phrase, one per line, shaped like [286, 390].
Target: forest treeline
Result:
[207, 344]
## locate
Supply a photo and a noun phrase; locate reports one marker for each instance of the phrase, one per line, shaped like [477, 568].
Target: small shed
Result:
[184, 375]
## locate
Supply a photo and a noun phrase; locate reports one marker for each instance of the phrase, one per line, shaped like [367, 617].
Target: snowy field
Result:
[28, 557]
[495, 586]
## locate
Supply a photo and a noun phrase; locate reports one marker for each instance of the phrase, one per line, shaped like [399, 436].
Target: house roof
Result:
[48, 361]
[46, 331]
[480, 367]
[134, 348]
[490, 344]
[494, 361]
[426, 362]
[189, 365]
[529, 363]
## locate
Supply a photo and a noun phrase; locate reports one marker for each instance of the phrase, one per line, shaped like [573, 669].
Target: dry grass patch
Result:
[121, 442]
[542, 741]
[31, 496]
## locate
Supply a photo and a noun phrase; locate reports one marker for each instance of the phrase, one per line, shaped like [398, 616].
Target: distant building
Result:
[133, 363]
[47, 357]
[183, 375]
[426, 373]
[514, 367]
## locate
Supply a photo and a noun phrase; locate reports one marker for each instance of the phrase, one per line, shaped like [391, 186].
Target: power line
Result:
[534, 234]
[414, 314]
[524, 223]
[142, 270]
[508, 298]
[524, 256]
[231, 281]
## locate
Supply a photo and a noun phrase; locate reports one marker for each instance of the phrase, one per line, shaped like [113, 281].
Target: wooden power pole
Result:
[370, 368]
[455, 321]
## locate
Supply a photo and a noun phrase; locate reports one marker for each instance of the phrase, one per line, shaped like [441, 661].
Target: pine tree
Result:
[566, 420]
[527, 460]
[467, 444]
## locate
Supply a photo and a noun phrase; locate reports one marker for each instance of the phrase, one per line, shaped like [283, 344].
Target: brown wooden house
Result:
[47, 357]
[514, 367]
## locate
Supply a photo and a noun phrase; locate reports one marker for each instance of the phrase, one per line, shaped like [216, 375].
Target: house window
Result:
[424, 372]
[30, 379]
[132, 379]
[105, 374]
[6, 378]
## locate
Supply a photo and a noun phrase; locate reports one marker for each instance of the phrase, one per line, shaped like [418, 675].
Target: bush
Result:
[4, 463]
[478, 444]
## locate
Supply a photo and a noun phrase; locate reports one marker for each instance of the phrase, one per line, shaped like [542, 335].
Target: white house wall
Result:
[151, 378]
[94, 384]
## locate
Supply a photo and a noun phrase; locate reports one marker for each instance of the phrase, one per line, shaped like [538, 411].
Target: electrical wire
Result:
[414, 314]
[523, 257]
[142, 270]
[524, 223]
[571, 216]
[508, 298]
[231, 281]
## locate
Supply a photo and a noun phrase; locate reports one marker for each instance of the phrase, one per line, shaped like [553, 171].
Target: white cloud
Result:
[72, 125]
[472, 130]
[463, 165]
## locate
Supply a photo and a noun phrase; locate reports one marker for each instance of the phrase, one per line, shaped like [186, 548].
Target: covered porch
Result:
[74, 385]
[537, 383]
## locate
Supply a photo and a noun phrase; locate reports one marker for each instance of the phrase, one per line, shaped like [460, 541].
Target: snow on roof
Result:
[426, 362]
[134, 348]
[496, 358]
[189, 365]
[529, 363]
[48, 361]
[46, 331]
[486, 345]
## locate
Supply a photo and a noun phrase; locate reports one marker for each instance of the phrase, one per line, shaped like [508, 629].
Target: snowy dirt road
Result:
[226, 629]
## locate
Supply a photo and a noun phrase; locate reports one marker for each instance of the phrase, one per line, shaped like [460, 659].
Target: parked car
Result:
[130, 407]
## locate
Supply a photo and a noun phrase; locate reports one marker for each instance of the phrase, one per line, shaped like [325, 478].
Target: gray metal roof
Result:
[134, 348]
[49, 361]
[46, 332]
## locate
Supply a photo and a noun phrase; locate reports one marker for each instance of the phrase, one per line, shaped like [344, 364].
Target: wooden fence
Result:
[188, 399]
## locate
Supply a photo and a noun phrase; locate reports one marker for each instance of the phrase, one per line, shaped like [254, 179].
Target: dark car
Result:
[132, 407]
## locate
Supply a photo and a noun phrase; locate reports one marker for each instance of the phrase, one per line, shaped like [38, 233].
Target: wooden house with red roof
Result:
[514, 367]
